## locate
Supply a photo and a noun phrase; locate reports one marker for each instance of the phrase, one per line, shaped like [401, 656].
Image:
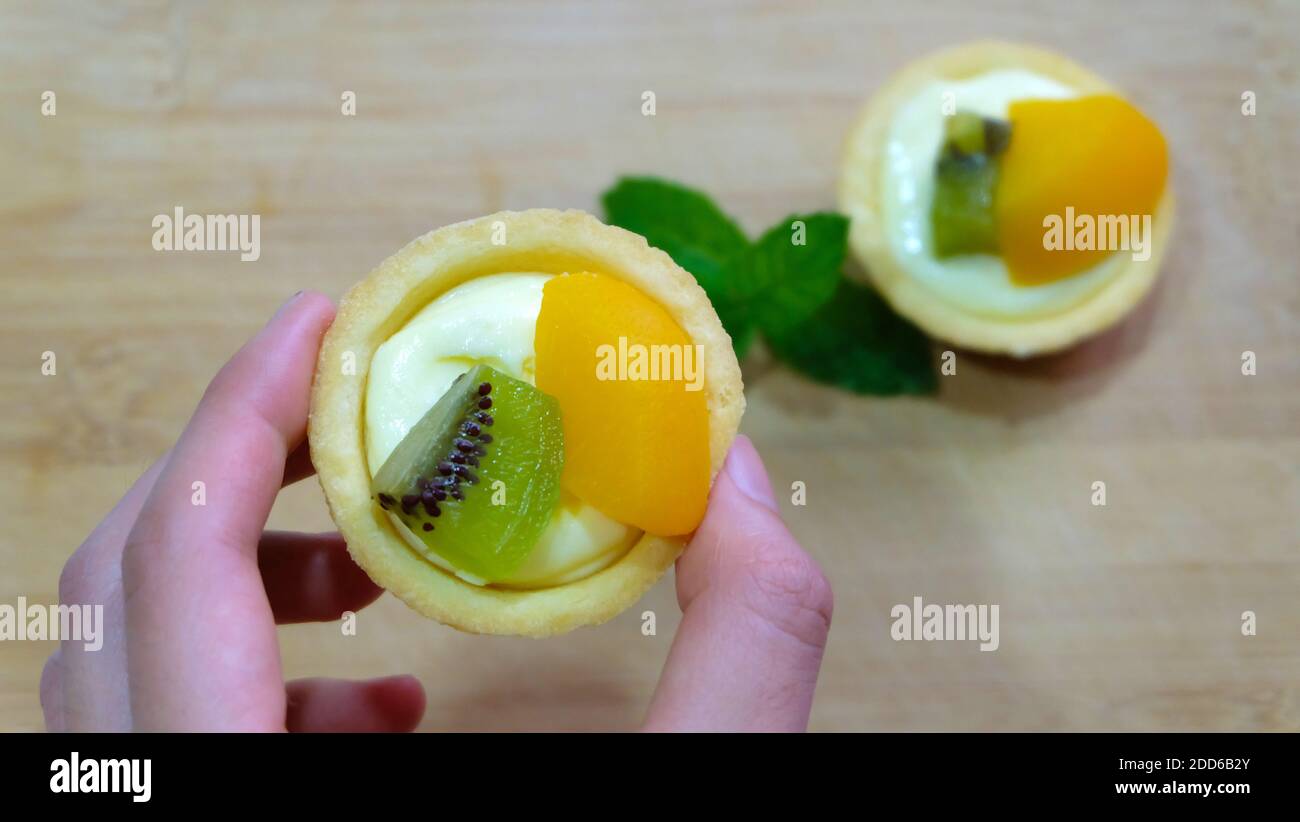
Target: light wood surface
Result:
[1122, 617]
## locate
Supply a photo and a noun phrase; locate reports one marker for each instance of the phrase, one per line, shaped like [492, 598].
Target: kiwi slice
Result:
[478, 477]
[966, 176]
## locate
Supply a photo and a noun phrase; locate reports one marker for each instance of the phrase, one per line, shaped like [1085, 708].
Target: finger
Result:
[52, 694]
[112, 530]
[311, 577]
[201, 634]
[756, 612]
[96, 696]
[391, 704]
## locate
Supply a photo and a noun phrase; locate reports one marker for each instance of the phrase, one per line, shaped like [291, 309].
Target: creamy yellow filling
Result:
[978, 283]
[490, 320]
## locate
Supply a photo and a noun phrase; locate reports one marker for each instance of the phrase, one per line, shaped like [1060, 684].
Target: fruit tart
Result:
[1006, 199]
[516, 420]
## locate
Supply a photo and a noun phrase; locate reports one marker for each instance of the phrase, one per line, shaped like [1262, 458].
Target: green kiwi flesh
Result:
[477, 479]
[966, 175]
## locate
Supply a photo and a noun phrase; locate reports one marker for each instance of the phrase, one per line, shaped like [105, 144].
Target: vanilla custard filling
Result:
[489, 320]
[978, 283]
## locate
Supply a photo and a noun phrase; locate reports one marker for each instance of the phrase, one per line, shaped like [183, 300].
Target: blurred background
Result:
[1119, 617]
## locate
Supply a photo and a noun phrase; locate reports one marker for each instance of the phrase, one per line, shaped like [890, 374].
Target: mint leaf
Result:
[743, 334]
[782, 282]
[687, 225]
[857, 342]
[687, 219]
[831, 329]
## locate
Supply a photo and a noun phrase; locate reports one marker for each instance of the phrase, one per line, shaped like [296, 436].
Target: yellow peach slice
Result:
[1097, 156]
[636, 431]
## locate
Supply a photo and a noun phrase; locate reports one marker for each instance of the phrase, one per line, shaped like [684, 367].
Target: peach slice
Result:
[636, 431]
[1096, 155]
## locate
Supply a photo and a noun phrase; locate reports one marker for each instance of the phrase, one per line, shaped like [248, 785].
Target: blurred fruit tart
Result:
[1006, 199]
[516, 420]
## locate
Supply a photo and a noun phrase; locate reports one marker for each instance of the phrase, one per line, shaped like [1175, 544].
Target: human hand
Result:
[192, 594]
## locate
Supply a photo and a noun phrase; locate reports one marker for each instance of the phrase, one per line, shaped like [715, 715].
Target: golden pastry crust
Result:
[860, 197]
[536, 240]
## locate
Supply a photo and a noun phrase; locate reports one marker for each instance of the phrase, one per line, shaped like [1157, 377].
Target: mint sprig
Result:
[788, 285]
[792, 270]
[856, 341]
[694, 232]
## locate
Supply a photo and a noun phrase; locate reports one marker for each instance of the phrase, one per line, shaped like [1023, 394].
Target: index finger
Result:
[201, 638]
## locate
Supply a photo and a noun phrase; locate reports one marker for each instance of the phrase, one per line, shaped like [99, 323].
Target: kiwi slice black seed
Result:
[478, 477]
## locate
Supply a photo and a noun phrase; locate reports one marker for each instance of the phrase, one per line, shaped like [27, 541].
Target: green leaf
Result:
[661, 210]
[687, 225]
[791, 271]
[833, 330]
[857, 342]
[740, 340]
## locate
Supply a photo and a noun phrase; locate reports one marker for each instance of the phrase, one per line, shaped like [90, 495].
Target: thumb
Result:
[756, 612]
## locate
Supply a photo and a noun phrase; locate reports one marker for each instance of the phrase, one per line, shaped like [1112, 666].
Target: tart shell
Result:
[541, 240]
[860, 196]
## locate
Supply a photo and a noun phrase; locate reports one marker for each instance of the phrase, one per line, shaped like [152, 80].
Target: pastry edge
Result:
[382, 302]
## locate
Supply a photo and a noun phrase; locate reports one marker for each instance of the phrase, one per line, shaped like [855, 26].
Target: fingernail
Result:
[286, 304]
[745, 467]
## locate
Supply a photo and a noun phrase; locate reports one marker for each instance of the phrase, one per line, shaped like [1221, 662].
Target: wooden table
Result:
[1126, 616]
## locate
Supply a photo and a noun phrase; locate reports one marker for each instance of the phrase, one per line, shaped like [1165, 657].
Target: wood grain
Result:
[1122, 617]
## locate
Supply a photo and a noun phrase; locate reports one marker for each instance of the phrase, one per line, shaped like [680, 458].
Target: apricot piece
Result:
[636, 425]
[1097, 156]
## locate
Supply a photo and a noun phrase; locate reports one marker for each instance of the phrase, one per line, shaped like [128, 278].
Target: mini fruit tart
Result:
[516, 420]
[1006, 199]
